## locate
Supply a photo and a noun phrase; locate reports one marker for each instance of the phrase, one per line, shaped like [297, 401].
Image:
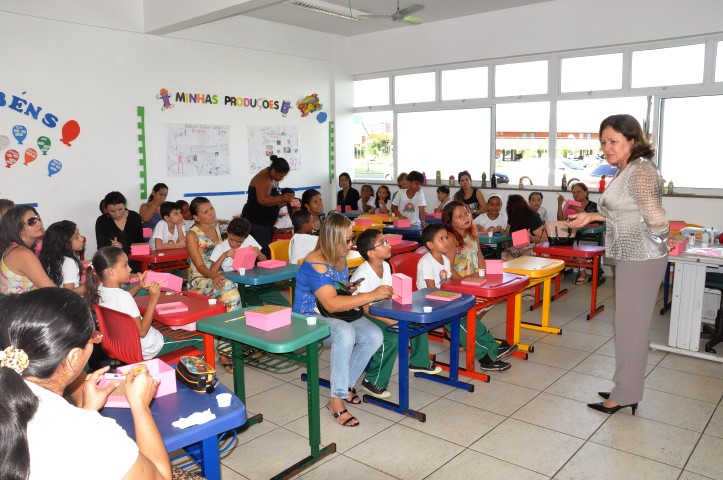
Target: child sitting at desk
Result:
[169, 232]
[410, 203]
[464, 255]
[366, 204]
[372, 245]
[492, 220]
[188, 220]
[59, 258]
[105, 276]
[443, 197]
[303, 242]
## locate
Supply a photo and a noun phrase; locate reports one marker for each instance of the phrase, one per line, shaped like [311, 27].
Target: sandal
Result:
[345, 423]
[354, 400]
[227, 364]
[581, 278]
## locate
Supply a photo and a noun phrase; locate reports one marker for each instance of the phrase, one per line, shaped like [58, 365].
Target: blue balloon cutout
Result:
[54, 167]
[321, 117]
[20, 132]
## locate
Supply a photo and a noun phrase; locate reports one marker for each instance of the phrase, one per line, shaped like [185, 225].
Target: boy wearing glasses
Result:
[374, 248]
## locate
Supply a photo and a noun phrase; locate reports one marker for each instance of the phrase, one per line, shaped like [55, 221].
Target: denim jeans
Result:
[352, 345]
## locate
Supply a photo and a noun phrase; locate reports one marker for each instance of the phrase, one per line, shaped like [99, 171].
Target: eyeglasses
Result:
[383, 243]
[96, 338]
[33, 220]
[350, 240]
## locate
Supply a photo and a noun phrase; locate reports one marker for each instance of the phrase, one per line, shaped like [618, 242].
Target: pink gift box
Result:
[268, 317]
[147, 232]
[677, 225]
[520, 238]
[474, 281]
[363, 222]
[402, 223]
[678, 249]
[271, 264]
[171, 307]
[159, 370]
[393, 239]
[567, 210]
[435, 214]
[494, 267]
[140, 249]
[338, 208]
[443, 295]
[402, 288]
[244, 258]
[167, 281]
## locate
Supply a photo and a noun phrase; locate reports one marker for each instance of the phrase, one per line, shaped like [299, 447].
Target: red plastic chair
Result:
[122, 342]
[406, 263]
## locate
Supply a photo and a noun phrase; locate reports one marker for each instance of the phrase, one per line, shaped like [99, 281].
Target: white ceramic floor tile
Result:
[598, 462]
[580, 387]
[556, 356]
[706, 458]
[228, 474]
[469, 464]
[647, 438]
[535, 448]
[692, 476]
[687, 384]
[561, 415]
[715, 427]
[601, 366]
[596, 326]
[417, 401]
[675, 410]
[281, 404]
[528, 374]
[498, 397]
[455, 422]
[416, 454]
[693, 365]
[342, 467]
[576, 340]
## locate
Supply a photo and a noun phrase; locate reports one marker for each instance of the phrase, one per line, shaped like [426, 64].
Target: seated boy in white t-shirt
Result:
[302, 243]
[169, 232]
[411, 203]
[493, 220]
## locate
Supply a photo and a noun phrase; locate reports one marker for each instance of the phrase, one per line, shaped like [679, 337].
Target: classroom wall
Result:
[99, 76]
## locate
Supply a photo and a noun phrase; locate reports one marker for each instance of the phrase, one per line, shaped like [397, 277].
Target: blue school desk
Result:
[408, 233]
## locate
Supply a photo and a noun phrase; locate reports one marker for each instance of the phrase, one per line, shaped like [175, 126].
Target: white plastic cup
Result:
[242, 271]
[482, 272]
[212, 301]
[311, 320]
[490, 234]
[223, 399]
[427, 309]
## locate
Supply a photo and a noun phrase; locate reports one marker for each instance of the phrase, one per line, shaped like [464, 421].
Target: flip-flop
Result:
[354, 400]
[581, 280]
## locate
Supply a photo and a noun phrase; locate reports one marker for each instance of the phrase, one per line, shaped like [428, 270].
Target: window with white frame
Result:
[529, 78]
[415, 88]
[522, 142]
[464, 83]
[374, 145]
[368, 93]
[719, 63]
[596, 72]
[668, 66]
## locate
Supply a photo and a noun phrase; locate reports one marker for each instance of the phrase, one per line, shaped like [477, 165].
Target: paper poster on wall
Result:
[196, 150]
[282, 141]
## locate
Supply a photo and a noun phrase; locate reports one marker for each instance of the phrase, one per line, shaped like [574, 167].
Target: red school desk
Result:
[198, 308]
[163, 260]
[404, 246]
[497, 289]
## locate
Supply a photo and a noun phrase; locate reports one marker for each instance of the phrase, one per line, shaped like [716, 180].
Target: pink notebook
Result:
[474, 281]
[443, 295]
[271, 264]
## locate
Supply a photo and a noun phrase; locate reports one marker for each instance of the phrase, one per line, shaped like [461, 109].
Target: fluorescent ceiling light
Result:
[327, 8]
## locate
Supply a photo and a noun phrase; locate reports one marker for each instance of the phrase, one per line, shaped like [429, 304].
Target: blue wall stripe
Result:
[34, 205]
[241, 192]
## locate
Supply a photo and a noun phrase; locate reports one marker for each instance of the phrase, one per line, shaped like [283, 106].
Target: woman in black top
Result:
[119, 227]
[471, 197]
[348, 197]
[265, 200]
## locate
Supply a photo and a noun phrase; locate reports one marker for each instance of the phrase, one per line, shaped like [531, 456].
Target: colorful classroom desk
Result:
[201, 441]
[432, 219]
[497, 239]
[413, 233]
[404, 246]
[572, 256]
[412, 321]
[357, 229]
[198, 308]
[379, 218]
[349, 215]
[540, 271]
[262, 276]
[597, 229]
[496, 289]
[281, 341]
[163, 260]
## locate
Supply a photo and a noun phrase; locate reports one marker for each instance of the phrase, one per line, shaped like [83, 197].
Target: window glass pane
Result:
[690, 129]
[719, 63]
[578, 143]
[668, 66]
[373, 145]
[371, 92]
[598, 72]
[449, 141]
[521, 79]
[522, 142]
[414, 88]
[464, 83]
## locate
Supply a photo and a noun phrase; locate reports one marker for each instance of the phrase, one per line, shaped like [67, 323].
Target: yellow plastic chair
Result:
[280, 251]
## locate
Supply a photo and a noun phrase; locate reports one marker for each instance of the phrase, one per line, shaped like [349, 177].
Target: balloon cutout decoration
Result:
[30, 155]
[4, 142]
[11, 156]
[321, 117]
[54, 167]
[20, 132]
[71, 130]
[44, 144]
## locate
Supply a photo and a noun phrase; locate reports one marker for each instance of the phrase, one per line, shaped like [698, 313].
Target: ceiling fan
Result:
[401, 15]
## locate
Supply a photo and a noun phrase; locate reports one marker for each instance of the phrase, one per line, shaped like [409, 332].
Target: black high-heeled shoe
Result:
[600, 407]
[604, 395]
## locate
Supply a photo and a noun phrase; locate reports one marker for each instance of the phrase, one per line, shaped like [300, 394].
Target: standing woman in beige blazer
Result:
[635, 239]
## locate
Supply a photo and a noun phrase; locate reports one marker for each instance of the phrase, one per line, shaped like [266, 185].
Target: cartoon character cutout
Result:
[285, 107]
[163, 95]
[309, 104]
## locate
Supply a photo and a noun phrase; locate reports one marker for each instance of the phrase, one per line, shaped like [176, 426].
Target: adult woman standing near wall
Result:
[638, 248]
[119, 227]
[150, 211]
[472, 197]
[265, 200]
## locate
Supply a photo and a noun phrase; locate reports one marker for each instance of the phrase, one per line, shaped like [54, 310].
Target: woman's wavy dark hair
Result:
[56, 246]
[517, 208]
[46, 324]
[630, 128]
[448, 214]
[12, 226]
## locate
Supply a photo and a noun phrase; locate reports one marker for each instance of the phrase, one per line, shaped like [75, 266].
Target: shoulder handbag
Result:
[559, 233]
[346, 315]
